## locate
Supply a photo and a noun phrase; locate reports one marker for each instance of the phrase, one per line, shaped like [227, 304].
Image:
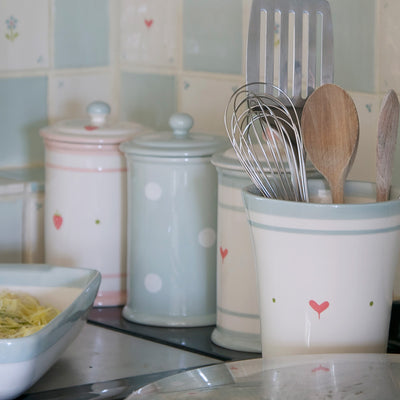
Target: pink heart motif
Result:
[319, 308]
[148, 22]
[224, 253]
[321, 368]
[91, 127]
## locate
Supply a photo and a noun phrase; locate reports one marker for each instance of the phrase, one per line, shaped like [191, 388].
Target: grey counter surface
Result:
[99, 354]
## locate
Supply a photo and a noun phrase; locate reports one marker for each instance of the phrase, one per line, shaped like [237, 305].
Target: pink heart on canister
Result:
[91, 127]
[224, 253]
[321, 368]
[319, 308]
[148, 22]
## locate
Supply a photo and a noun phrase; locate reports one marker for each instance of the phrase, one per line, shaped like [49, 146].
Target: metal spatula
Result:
[290, 45]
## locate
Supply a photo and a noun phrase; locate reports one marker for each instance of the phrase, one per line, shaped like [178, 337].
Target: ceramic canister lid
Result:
[97, 129]
[176, 144]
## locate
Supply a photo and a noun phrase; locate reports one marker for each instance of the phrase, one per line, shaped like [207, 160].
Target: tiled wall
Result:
[55, 58]
[180, 55]
[149, 58]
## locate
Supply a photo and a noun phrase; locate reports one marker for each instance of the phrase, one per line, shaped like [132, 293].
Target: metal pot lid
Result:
[97, 129]
[178, 143]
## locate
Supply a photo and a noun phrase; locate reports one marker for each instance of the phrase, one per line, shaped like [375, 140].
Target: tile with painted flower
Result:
[11, 32]
[24, 34]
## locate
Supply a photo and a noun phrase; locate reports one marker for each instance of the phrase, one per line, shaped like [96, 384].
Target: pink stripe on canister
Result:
[76, 169]
[83, 149]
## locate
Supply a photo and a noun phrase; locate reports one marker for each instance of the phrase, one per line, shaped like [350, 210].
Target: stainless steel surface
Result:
[267, 141]
[290, 44]
[100, 354]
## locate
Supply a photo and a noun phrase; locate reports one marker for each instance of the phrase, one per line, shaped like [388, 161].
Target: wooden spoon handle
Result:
[338, 196]
[336, 185]
[386, 145]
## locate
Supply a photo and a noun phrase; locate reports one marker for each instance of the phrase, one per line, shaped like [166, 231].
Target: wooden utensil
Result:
[387, 135]
[330, 130]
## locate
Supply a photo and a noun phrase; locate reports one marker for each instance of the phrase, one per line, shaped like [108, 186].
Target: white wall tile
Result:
[368, 107]
[71, 94]
[24, 34]
[388, 45]
[205, 99]
[149, 32]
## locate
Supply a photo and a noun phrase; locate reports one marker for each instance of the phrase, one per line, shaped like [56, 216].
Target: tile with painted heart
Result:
[149, 32]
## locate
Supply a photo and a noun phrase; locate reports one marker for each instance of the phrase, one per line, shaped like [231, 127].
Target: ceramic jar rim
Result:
[255, 202]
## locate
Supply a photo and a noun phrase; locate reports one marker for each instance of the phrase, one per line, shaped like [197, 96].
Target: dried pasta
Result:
[22, 314]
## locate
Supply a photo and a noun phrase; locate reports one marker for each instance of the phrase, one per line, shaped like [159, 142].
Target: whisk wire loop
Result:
[267, 140]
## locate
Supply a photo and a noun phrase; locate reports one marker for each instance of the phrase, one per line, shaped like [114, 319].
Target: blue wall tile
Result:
[23, 111]
[354, 42]
[81, 33]
[212, 36]
[149, 99]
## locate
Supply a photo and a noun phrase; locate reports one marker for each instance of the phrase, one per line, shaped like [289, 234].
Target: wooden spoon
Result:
[330, 131]
[387, 135]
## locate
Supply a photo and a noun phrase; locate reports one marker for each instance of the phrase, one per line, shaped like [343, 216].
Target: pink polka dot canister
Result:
[172, 223]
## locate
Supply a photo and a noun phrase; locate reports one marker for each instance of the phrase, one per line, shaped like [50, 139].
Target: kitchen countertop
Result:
[197, 339]
[103, 355]
[112, 357]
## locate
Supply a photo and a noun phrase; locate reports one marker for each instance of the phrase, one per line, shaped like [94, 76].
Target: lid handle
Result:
[98, 112]
[181, 124]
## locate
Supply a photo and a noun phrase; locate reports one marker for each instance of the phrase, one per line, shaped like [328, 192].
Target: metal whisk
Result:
[267, 140]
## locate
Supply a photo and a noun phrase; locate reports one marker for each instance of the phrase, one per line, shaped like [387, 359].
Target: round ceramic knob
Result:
[98, 112]
[181, 124]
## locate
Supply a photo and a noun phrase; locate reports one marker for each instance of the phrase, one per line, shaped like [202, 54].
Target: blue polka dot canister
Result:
[172, 224]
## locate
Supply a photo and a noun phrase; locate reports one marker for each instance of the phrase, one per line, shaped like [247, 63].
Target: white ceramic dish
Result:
[317, 377]
[72, 290]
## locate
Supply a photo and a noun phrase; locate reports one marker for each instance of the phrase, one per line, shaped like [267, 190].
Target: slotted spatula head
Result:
[290, 45]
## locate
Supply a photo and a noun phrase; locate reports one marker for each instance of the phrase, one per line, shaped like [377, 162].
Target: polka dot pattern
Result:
[153, 283]
[153, 191]
[207, 237]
